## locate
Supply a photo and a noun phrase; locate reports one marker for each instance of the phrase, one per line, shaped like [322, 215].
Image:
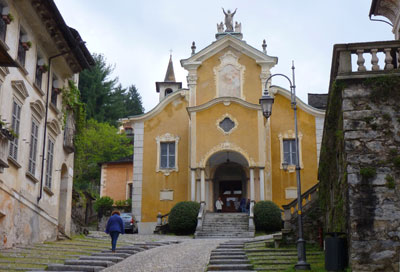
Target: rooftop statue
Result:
[229, 20]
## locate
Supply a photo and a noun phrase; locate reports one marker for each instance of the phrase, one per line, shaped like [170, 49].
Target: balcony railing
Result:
[350, 60]
[69, 136]
[3, 152]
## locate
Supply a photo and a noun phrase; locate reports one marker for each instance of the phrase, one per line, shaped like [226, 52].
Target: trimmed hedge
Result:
[267, 216]
[183, 217]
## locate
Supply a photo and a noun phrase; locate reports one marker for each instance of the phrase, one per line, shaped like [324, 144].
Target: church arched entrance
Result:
[229, 179]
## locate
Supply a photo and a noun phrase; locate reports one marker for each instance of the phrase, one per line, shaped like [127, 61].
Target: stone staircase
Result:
[90, 253]
[266, 258]
[225, 225]
[230, 256]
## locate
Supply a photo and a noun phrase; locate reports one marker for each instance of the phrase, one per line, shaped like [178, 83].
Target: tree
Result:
[96, 86]
[97, 142]
[133, 104]
[106, 100]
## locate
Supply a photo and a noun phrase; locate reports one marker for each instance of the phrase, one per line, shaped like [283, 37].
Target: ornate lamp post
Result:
[266, 102]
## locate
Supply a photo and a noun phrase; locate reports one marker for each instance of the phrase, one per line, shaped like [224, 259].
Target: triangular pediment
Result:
[229, 41]
[20, 89]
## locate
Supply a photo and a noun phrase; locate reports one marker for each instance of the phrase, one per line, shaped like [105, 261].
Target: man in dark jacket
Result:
[115, 226]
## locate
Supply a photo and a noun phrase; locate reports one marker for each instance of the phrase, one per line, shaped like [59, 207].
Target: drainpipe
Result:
[45, 122]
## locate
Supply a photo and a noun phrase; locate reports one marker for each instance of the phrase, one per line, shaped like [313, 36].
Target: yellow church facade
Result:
[211, 139]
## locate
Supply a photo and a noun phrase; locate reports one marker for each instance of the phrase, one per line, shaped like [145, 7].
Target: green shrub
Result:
[368, 172]
[390, 182]
[103, 205]
[183, 217]
[396, 162]
[267, 216]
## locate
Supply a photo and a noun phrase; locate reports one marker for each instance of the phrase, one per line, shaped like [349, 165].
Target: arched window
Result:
[168, 91]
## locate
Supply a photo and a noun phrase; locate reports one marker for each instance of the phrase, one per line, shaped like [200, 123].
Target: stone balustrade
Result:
[162, 223]
[200, 216]
[290, 210]
[384, 56]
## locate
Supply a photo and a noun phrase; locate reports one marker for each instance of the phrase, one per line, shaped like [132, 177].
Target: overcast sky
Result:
[137, 36]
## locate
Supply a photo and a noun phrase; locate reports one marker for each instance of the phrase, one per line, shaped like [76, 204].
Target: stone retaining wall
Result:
[364, 188]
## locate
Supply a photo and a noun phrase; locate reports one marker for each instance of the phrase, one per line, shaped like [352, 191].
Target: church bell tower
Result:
[169, 85]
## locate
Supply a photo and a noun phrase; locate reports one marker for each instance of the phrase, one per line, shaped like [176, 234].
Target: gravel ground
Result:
[190, 255]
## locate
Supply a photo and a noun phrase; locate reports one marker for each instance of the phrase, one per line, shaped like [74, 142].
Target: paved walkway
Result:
[190, 255]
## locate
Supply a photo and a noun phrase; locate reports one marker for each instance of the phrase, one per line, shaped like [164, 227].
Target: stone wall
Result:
[360, 170]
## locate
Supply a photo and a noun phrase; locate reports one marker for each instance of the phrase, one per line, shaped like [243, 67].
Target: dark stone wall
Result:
[360, 170]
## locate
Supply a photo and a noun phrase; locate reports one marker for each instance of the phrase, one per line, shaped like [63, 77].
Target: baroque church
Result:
[211, 139]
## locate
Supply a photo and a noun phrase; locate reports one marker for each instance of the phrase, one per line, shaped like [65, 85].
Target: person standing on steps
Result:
[243, 205]
[115, 226]
[219, 204]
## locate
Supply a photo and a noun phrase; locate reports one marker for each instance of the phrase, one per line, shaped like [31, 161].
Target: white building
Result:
[36, 168]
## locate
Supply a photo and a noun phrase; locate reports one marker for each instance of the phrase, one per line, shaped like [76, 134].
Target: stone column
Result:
[252, 184]
[261, 174]
[202, 185]
[193, 185]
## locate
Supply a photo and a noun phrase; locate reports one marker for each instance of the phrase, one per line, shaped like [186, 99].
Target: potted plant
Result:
[43, 68]
[9, 134]
[7, 18]
[26, 45]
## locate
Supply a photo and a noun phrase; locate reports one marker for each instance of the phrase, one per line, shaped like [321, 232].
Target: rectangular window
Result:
[54, 91]
[33, 148]
[38, 74]
[15, 121]
[21, 50]
[289, 151]
[167, 155]
[49, 165]
[3, 25]
[130, 191]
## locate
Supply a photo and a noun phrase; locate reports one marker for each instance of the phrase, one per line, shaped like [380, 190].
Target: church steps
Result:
[225, 225]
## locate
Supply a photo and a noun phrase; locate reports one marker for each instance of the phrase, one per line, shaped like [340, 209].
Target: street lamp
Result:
[266, 102]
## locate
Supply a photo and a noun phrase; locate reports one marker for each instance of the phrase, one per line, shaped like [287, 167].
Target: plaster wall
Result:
[282, 121]
[37, 226]
[206, 84]
[173, 119]
[209, 136]
[119, 174]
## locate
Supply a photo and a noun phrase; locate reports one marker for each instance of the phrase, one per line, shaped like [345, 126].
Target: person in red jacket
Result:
[115, 226]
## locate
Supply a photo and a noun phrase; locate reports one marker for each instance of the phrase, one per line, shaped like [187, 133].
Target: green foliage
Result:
[368, 172]
[72, 105]
[396, 161]
[120, 203]
[103, 205]
[387, 117]
[97, 143]
[390, 182]
[332, 166]
[183, 217]
[267, 216]
[384, 88]
[368, 119]
[127, 202]
[106, 99]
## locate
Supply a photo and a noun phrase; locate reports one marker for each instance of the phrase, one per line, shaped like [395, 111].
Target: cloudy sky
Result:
[137, 36]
